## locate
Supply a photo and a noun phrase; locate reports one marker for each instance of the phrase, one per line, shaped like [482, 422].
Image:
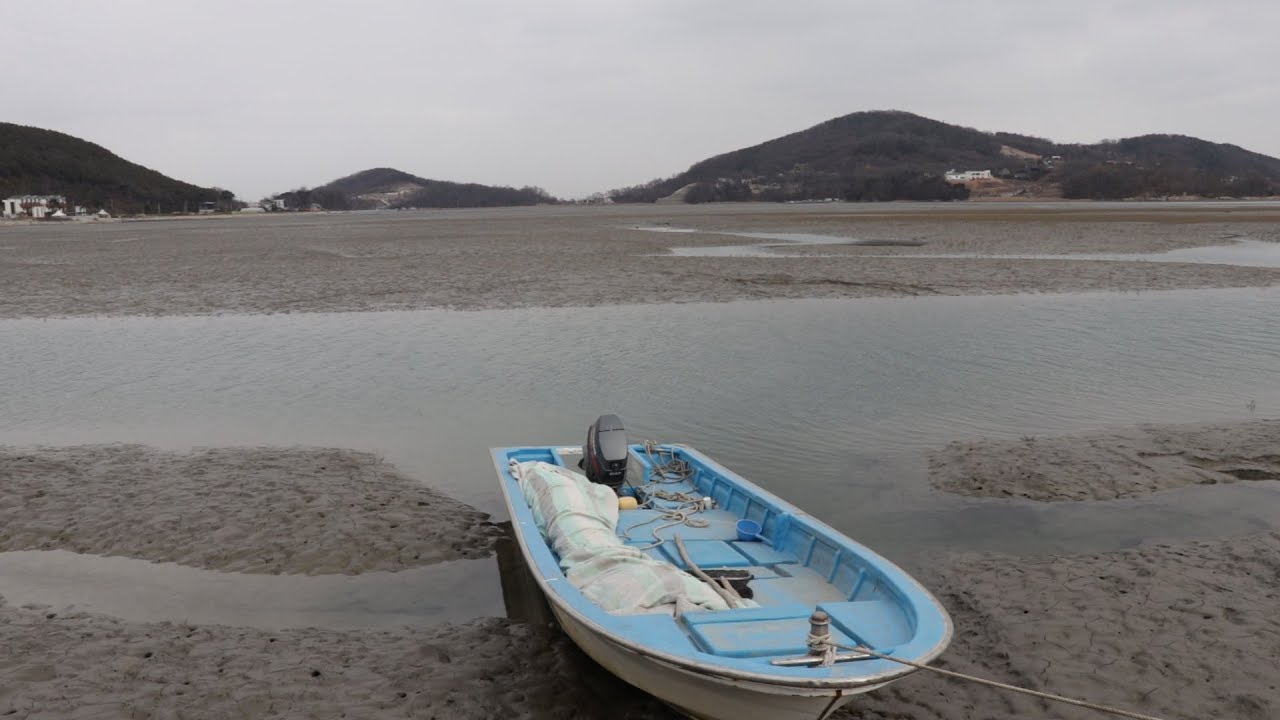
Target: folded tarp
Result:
[579, 520]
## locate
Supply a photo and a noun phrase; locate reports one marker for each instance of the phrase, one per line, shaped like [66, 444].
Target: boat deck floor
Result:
[778, 577]
[785, 588]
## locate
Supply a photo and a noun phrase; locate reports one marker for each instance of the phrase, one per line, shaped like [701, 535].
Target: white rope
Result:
[682, 515]
[667, 469]
[672, 470]
[828, 650]
[821, 644]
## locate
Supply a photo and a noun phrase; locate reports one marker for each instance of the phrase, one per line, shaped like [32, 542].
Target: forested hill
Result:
[390, 188]
[43, 162]
[890, 155]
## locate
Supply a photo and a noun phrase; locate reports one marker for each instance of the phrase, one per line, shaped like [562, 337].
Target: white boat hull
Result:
[721, 672]
[706, 697]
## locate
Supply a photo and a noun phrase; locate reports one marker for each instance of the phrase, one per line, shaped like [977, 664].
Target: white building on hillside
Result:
[967, 175]
[36, 206]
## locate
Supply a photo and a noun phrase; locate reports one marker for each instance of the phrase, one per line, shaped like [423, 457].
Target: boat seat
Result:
[640, 523]
[795, 584]
[657, 630]
[877, 623]
[776, 612]
[758, 572]
[756, 632]
[653, 552]
[706, 554]
[763, 554]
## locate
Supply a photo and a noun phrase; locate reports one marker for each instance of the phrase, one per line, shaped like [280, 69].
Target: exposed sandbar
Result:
[1108, 465]
[1175, 631]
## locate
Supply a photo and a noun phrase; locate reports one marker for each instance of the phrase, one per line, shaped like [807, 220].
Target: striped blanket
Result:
[579, 520]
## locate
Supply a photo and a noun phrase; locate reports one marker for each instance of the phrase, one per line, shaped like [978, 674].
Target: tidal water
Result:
[831, 404]
[1244, 252]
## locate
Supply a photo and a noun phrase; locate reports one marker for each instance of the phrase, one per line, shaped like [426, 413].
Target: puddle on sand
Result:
[662, 229]
[1248, 253]
[782, 240]
[1242, 252]
[141, 591]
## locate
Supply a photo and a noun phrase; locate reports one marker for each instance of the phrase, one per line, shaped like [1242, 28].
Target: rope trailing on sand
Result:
[828, 648]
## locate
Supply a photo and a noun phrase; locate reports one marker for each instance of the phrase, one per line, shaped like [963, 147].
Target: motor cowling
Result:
[604, 456]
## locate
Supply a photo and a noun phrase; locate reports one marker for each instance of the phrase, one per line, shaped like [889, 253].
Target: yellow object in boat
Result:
[626, 502]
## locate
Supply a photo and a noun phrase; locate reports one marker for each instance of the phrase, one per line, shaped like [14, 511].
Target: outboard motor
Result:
[604, 457]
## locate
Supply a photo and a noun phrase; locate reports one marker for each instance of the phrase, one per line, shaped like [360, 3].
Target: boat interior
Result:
[796, 564]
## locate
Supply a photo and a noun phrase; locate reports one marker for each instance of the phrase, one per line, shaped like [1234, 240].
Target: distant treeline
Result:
[903, 185]
[354, 192]
[444, 194]
[1117, 182]
[43, 162]
[323, 197]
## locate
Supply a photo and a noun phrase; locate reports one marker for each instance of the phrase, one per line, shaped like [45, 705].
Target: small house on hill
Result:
[34, 206]
[959, 176]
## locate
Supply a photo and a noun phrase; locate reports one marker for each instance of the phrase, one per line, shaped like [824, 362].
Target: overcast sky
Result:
[575, 97]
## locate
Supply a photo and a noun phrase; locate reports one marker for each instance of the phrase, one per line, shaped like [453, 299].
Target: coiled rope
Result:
[671, 470]
[667, 469]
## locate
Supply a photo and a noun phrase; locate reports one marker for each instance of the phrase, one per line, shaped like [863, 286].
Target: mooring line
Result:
[996, 684]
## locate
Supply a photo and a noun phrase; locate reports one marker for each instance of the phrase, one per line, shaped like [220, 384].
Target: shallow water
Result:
[1245, 252]
[143, 591]
[777, 248]
[1250, 253]
[829, 403]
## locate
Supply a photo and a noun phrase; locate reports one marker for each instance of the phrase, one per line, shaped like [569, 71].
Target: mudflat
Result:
[577, 256]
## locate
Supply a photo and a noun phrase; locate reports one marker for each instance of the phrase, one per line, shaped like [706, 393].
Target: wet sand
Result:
[1183, 631]
[577, 256]
[251, 510]
[1175, 631]
[1107, 465]
[85, 666]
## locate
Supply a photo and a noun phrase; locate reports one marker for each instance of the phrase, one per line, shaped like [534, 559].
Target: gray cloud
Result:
[584, 96]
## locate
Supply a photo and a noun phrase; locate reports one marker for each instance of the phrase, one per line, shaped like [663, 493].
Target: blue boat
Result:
[811, 599]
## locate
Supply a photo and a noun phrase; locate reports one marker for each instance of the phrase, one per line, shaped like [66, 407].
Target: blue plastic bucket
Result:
[749, 530]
